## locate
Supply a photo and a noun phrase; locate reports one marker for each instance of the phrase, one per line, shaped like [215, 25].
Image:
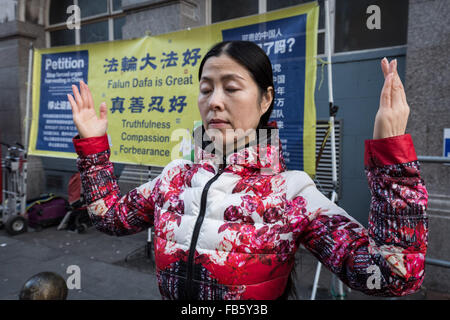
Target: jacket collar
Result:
[264, 154]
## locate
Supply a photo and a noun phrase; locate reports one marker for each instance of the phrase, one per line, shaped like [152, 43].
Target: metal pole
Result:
[333, 137]
[333, 110]
[27, 129]
[27, 114]
[433, 159]
[316, 281]
[438, 262]
[330, 93]
[331, 99]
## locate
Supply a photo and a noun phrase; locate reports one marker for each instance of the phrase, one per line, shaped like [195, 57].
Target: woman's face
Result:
[229, 98]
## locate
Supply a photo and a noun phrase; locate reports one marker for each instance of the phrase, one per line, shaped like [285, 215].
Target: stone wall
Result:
[428, 92]
[15, 39]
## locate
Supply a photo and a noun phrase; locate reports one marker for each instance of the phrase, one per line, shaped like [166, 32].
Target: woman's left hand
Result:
[392, 115]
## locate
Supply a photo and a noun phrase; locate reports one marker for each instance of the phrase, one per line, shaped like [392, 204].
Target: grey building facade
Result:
[415, 32]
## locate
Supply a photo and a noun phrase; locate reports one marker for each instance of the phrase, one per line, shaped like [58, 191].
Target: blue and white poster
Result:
[58, 72]
[284, 41]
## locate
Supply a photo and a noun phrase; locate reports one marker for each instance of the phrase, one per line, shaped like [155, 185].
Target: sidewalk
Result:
[106, 275]
[98, 255]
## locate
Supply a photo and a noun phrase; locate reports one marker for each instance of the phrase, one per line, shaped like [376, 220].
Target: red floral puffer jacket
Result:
[232, 232]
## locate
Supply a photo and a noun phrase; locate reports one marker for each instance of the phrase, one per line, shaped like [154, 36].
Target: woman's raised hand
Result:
[392, 115]
[84, 115]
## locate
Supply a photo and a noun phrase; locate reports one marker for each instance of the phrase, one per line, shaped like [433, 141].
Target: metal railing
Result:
[438, 262]
[435, 159]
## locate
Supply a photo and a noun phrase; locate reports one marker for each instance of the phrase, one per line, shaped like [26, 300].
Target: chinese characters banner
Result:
[150, 86]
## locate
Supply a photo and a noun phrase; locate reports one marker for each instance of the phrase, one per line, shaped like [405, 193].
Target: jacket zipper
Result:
[195, 234]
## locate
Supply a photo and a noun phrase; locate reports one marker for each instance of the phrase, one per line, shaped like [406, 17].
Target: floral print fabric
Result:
[255, 220]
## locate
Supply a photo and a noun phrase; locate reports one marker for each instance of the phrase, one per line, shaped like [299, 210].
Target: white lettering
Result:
[374, 281]
[73, 22]
[74, 281]
[373, 21]
[198, 310]
[63, 63]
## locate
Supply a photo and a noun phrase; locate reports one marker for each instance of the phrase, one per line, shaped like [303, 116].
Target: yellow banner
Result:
[150, 86]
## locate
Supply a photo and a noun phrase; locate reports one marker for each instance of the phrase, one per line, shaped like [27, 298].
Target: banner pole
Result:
[28, 103]
[333, 111]
[23, 200]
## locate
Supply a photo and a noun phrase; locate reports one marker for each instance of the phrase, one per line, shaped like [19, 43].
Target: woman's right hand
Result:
[84, 115]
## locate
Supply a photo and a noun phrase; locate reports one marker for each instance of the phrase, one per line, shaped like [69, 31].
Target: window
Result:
[118, 24]
[63, 37]
[94, 32]
[352, 32]
[92, 8]
[279, 4]
[117, 5]
[9, 11]
[224, 10]
[58, 11]
[101, 20]
[348, 21]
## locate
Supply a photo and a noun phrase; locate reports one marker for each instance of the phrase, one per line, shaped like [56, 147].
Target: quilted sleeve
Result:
[111, 212]
[387, 258]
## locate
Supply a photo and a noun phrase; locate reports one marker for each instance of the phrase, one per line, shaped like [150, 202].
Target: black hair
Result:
[254, 59]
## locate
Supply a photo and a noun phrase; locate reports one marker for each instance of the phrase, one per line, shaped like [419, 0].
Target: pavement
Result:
[104, 274]
[119, 268]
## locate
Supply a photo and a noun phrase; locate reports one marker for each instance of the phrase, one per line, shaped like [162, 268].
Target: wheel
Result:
[16, 225]
[82, 228]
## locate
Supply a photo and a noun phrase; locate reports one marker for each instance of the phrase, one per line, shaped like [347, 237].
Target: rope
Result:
[322, 147]
[323, 63]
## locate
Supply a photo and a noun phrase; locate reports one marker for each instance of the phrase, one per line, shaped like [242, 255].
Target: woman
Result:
[228, 225]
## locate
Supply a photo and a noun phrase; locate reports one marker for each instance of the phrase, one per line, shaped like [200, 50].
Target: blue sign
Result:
[284, 41]
[58, 72]
[447, 147]
[446, 142]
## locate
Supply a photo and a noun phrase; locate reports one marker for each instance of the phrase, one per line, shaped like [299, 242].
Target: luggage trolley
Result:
[13, 196]
[13, 173]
